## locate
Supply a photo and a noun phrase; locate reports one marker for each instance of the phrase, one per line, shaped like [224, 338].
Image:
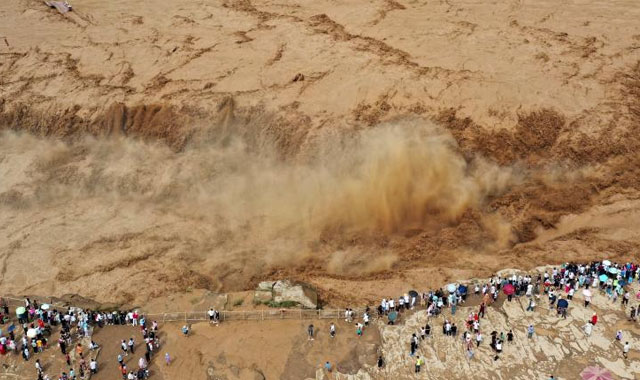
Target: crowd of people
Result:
[30, 334]
[559, 285]
[35, 323]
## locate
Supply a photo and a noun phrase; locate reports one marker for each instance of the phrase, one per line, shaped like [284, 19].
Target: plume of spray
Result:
[383, 180]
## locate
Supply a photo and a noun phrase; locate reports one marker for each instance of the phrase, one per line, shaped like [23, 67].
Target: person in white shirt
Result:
[212, 314]
[588, 328]
[625, 350]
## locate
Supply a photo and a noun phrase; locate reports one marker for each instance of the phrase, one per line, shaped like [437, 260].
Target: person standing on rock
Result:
[413, 345]
[532, 304]
[499, 346]
[625, 350]
[530, 332]
[310, 331]
[332, 330]
[419, 363]
[625, 298]
[594, 319]
[588, 328]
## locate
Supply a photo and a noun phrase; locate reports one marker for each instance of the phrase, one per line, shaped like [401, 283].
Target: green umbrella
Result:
[393, 316]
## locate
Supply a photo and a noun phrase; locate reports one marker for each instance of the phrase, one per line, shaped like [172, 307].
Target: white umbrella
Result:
[32, 333]
[45, 306]
[451, 288]
[606, 262]
[586, 292]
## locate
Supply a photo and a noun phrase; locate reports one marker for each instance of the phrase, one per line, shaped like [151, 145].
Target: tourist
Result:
[588, 328]
[211, 314]
[413, 345]
[332, 330]
[625, 298]
[310, 332]
[532, 304]
[167, 359]
[185, 330]
[419, 362]
[327, 366]
[625, 350]
[530, 332]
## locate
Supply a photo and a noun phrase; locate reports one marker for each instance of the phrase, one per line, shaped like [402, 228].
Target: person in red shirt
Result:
[594, 319]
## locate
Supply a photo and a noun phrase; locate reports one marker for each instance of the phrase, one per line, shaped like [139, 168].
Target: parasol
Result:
[451, 288]
[563, 303]
[413, 293]
[613, 271]
[508, 289]
[595, 373]
[21, 310]
[11, 328]
[586, 292]
[393, 316]
[606, 262]
[462, 289]
[45, 306]
[603, 278]
[32, 333]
